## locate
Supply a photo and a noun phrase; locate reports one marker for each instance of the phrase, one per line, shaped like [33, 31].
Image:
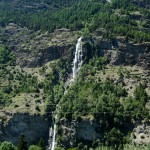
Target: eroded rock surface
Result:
[33, 127]
[83, 130]
[34, 49]
[141, 134]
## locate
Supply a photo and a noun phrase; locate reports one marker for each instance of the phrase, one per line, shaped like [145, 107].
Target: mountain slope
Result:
[118, 18]
[110, 96]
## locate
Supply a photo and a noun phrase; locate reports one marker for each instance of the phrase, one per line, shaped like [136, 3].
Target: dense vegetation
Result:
[116, 18]
[22, 145]
[13, 83]
[6, 56]
[107, 102]
[89, 96]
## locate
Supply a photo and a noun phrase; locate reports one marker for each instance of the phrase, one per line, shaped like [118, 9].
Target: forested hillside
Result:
[106, 105]
[128, 17]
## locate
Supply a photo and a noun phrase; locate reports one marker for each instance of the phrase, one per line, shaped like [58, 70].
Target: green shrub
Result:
[7, 146]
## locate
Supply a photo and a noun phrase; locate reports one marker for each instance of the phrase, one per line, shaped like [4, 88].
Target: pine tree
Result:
[41, 144]
[22, 143]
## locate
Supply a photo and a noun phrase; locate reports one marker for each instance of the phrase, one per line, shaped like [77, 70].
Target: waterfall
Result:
[77, 63]
[52, 134]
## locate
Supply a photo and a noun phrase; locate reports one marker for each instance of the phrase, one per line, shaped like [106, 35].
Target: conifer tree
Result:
[41, 144]
[22, 143]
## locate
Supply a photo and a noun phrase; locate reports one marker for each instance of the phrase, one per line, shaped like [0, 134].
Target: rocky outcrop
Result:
[33, 127]
[87, 130]
[33, 49]
[141, 134]
[121, 52]
[76, 131]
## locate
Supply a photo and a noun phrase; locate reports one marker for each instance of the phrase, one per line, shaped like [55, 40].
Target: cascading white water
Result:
[52, 134]
[77, 63]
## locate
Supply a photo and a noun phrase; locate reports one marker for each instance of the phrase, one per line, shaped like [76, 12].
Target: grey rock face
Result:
[33, 49]
[78, 131]
[121, 52]
[141, 134]
[33, 127]
[86, 130]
